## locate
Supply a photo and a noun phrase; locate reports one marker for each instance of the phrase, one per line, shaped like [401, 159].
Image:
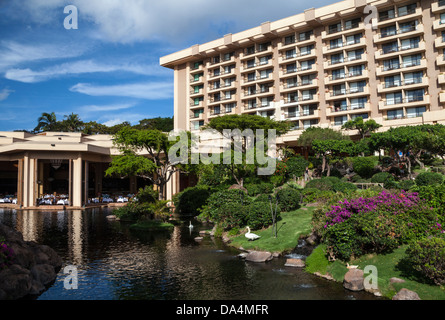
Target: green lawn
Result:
[388, 266]
[291, 226]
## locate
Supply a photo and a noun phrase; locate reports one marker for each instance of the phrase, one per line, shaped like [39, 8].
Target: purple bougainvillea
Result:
[6, 255]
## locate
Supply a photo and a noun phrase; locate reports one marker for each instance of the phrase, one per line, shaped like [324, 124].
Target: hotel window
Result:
[216, 97]
[295, 125]
[306, 50]
[307, 65]
[442, 18]
[391, 64]
[309, 123]
[215, 60]
[251, 104]
[263, 46]
[228, 82]
[340, 105]
[386, 15]
[441, 3]
[336, 43]
[337, 58]
[265, 73]
[364, 116]
[265, 87]
[408, 26]
[410, 43]
[265, 60]
[196, 65]
[413, 77]
[333, 28]
[291, 82]
[289, 39]
[228, 56]
[292, 97]
[291, 54]
[197, 88]
[228, 69]
[196, 101]
[405, 10]
[267, 114]
[353, 39]
[411, 61]
[197, 113]
[390, 47]
[339, 121]
[414, 95]
[197, 76]
[308, 94]
[229, 107]
[292, 112]
[216, 72]
[251, 63]
[355, 71]
[251, 90]
[228, 94]
[355, 54]
[198, 124]
[250, 50]
[265, 102]
[394, 98]
[388, 31]
[355, 87]
[395, 114]
[251, 76]
[415, 112]
[338, 74]
[290, 68]
[216, 110]
[351, 24]
[358, 103]
[339, 90]
[303, 36]
[309, 109]
[393, 81]
[308, 79]
[216, 85]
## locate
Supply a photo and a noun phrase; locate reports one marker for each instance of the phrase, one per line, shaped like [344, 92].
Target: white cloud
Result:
[146, 90]
[4, 94]
[140, 20]
[13, 53]
[80, 67]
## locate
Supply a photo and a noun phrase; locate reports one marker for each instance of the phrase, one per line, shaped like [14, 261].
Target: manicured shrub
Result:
[259, 188]
[320, 184]
[259, 215]
[295, 166]
[406, 184]
[344, 187]
[384, 177]
[289, 199]
[427, 256]
[213, 209]
[311, 195]
[190, 200]
[364, 166]
[429, 178]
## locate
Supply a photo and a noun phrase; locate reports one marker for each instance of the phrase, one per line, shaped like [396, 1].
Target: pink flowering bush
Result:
[6, 255]
[379, 223]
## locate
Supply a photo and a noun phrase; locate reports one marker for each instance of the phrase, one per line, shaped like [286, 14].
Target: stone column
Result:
[77, 182]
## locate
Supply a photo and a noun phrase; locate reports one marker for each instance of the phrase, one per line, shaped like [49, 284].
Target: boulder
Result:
[259, 256]
[298, 263]
[406, 294]
[396, 280]
[354, 280]
[35, 266]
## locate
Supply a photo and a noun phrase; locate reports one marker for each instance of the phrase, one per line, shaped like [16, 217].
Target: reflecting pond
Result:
[116, 263]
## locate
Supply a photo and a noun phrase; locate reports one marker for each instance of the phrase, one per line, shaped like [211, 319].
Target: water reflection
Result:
[116, 263]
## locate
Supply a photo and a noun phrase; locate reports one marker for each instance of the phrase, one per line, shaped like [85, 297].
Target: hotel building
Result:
[321, 67]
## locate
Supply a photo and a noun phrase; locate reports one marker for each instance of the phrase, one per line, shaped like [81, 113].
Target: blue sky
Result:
[108, 69]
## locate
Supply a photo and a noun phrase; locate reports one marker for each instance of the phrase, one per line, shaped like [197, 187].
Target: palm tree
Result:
[72, 123]
[46, 122]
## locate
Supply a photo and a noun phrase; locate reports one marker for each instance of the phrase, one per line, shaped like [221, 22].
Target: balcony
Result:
[300, 71]
[439, 42]
[417, 12]
[442, 97]
[395, 51]
[384, 71]
[195, 105]
[440, 60]
[257, 79]
[299, 85]
[344, 45]
[402, 121]
[215, 113]
[329, 34]
[222, 61]
[378, 38]
[256, 93]
[438, 6]
[332, 111]
[295, 57]
[196, 93]
[346, 77]
[441, 78]
[197, 116]
[304, 114]
[248, 55]
[350, 93]
[344, 62]
[438, 25]
[406, 102]
[399, 85]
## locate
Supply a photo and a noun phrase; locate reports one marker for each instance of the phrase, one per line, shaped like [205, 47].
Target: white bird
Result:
[251, 236]
[190, 225]
[351, 267]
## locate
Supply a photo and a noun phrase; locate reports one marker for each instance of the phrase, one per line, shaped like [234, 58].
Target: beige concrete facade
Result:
[321, 67]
